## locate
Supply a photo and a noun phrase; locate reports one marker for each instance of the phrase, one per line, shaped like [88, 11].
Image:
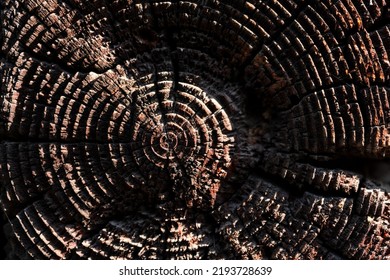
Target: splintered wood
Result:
[194, 130]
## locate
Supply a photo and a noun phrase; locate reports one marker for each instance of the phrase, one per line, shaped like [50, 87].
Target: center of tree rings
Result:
[182, 139]
[168, 140]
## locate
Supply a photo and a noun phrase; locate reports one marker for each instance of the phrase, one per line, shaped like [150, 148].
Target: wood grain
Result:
[143, 129]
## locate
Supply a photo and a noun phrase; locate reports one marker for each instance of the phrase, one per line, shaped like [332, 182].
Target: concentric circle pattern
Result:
[182, 139]
[210, 129]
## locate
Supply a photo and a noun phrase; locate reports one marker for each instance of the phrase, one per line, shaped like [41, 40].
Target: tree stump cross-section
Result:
[214, 129]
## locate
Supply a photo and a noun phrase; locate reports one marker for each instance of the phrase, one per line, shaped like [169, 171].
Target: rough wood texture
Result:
[144, 129]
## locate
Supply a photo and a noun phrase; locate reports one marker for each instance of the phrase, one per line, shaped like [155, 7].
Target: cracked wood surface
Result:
[144, 129]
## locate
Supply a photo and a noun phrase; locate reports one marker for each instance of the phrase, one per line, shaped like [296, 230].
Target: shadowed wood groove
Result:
[210, 129]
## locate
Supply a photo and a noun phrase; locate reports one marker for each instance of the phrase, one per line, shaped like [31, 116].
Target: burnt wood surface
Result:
[195, 129]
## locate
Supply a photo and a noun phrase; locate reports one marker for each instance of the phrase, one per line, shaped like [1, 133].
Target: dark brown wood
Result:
[195, 129]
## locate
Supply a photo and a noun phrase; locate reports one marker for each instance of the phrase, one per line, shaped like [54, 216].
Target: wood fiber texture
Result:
[231, 129]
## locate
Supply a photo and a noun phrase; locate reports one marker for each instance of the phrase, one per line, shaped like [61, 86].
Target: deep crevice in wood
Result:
[3, 240]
